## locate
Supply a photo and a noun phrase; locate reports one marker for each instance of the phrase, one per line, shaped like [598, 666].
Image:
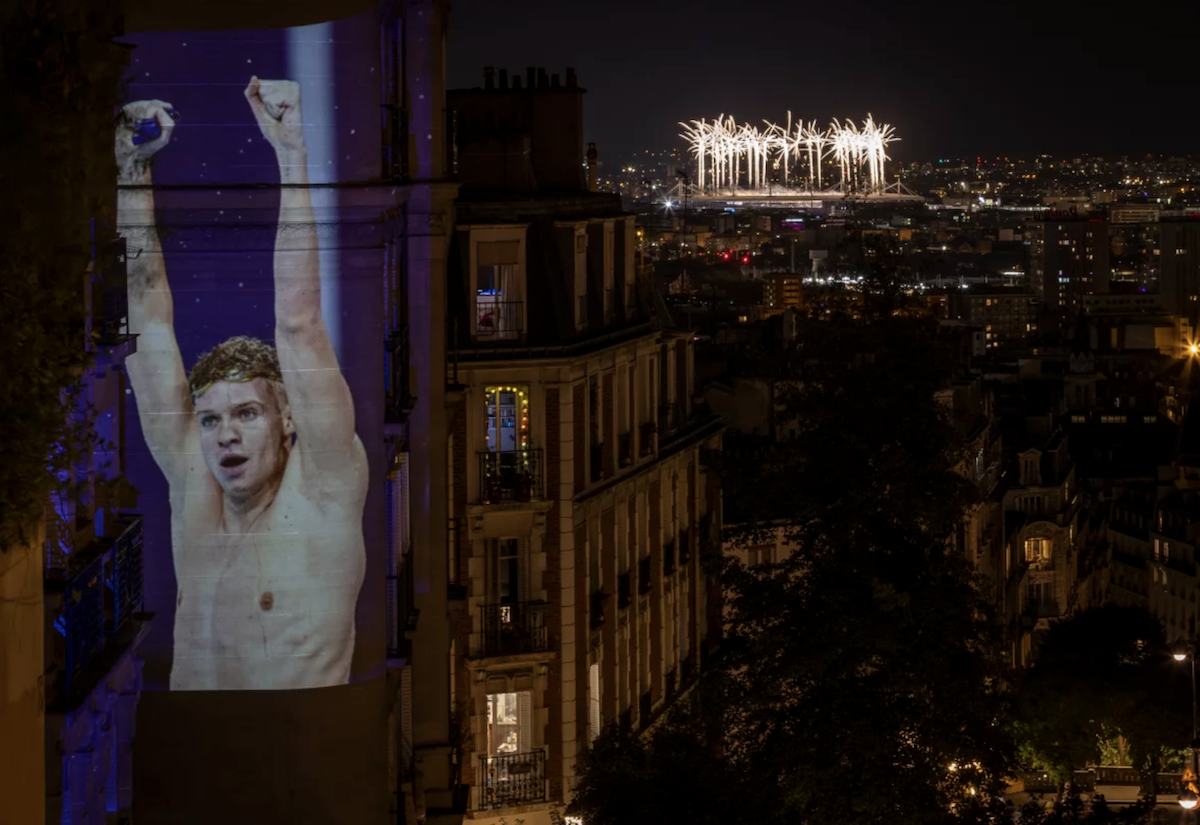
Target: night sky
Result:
[955, 79]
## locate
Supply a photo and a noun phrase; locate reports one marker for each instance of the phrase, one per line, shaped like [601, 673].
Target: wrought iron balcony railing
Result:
[499, 320]
[128, 581]
[512, 779]
[102, 588]
[510, 475]
[511, 629]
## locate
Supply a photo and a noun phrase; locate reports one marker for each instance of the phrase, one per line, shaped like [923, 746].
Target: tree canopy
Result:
[1102, 671]
[859, 679]
[61, 73]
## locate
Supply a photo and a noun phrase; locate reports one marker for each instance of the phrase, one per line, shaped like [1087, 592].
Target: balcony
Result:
[512, 629]
[646, 437]
[498, 320]
[101, 590]
[624, 449]
[397, 387]
[668, 554]
[512, 475]
[511, 779]
[110, 295]
[644, 582]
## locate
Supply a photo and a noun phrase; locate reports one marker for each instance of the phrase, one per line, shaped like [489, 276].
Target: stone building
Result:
[578, 498]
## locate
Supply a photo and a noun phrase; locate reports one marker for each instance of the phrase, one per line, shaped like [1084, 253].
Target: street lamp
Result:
[1188, 798]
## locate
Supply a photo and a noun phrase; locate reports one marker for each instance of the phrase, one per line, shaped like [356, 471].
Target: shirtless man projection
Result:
[267, 477]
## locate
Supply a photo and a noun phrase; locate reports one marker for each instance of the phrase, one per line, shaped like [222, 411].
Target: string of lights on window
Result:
[492, 402]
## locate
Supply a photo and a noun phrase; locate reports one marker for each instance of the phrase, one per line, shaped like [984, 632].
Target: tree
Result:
[860, 680]
[61, 70]
[1100, 671]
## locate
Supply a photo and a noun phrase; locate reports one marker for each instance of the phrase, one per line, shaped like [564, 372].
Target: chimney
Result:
[489, 76]
[554, 81]
[572, 81]
[591, 166]
[543, 80]
[530, 78]
[504, 78]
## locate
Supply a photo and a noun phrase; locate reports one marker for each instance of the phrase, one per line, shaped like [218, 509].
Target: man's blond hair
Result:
[241, 358]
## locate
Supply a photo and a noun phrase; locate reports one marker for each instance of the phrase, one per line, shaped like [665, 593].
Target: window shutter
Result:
[524, 588]
[406, 721]
[525, 716]
[491, 573]
[593, 702]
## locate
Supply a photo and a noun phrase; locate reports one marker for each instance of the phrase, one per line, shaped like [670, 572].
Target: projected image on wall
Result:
[256, 438]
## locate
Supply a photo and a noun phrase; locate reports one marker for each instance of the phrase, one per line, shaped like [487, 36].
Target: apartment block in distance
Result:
[578, 498]
[1068, 258]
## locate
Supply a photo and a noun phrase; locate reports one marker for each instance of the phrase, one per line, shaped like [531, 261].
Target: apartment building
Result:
[578, 498]
[1068, 259]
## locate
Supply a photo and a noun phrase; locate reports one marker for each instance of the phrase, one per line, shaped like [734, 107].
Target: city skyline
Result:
[1026, 81]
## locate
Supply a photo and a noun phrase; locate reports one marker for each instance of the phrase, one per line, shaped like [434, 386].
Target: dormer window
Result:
[498, 284]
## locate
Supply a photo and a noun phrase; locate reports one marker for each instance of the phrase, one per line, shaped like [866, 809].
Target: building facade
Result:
[1179, 267]
[578, 497]
[1068, 258]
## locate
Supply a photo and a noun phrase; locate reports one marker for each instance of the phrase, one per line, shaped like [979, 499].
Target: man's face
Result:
[244, 435]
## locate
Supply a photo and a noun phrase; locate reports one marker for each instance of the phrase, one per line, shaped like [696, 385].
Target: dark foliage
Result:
[1104, 669]
[859, 680]
[61, 69]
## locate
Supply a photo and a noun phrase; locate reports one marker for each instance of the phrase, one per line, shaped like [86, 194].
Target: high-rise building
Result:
[1009, 317]
[1068, 258]
[1179, 267]
[578, 498]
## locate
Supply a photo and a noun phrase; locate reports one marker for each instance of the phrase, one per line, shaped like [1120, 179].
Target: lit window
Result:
[1037, 550]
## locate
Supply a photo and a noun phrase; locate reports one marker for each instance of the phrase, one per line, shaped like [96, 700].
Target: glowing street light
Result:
[1189, 794]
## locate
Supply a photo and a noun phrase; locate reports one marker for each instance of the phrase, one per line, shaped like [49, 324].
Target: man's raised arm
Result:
[321, 405]
[156, 370]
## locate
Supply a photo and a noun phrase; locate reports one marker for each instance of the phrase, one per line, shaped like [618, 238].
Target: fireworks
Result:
[732, 158]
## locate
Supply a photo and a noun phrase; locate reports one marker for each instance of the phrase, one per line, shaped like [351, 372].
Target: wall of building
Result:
[22, 694]
[613, 517]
